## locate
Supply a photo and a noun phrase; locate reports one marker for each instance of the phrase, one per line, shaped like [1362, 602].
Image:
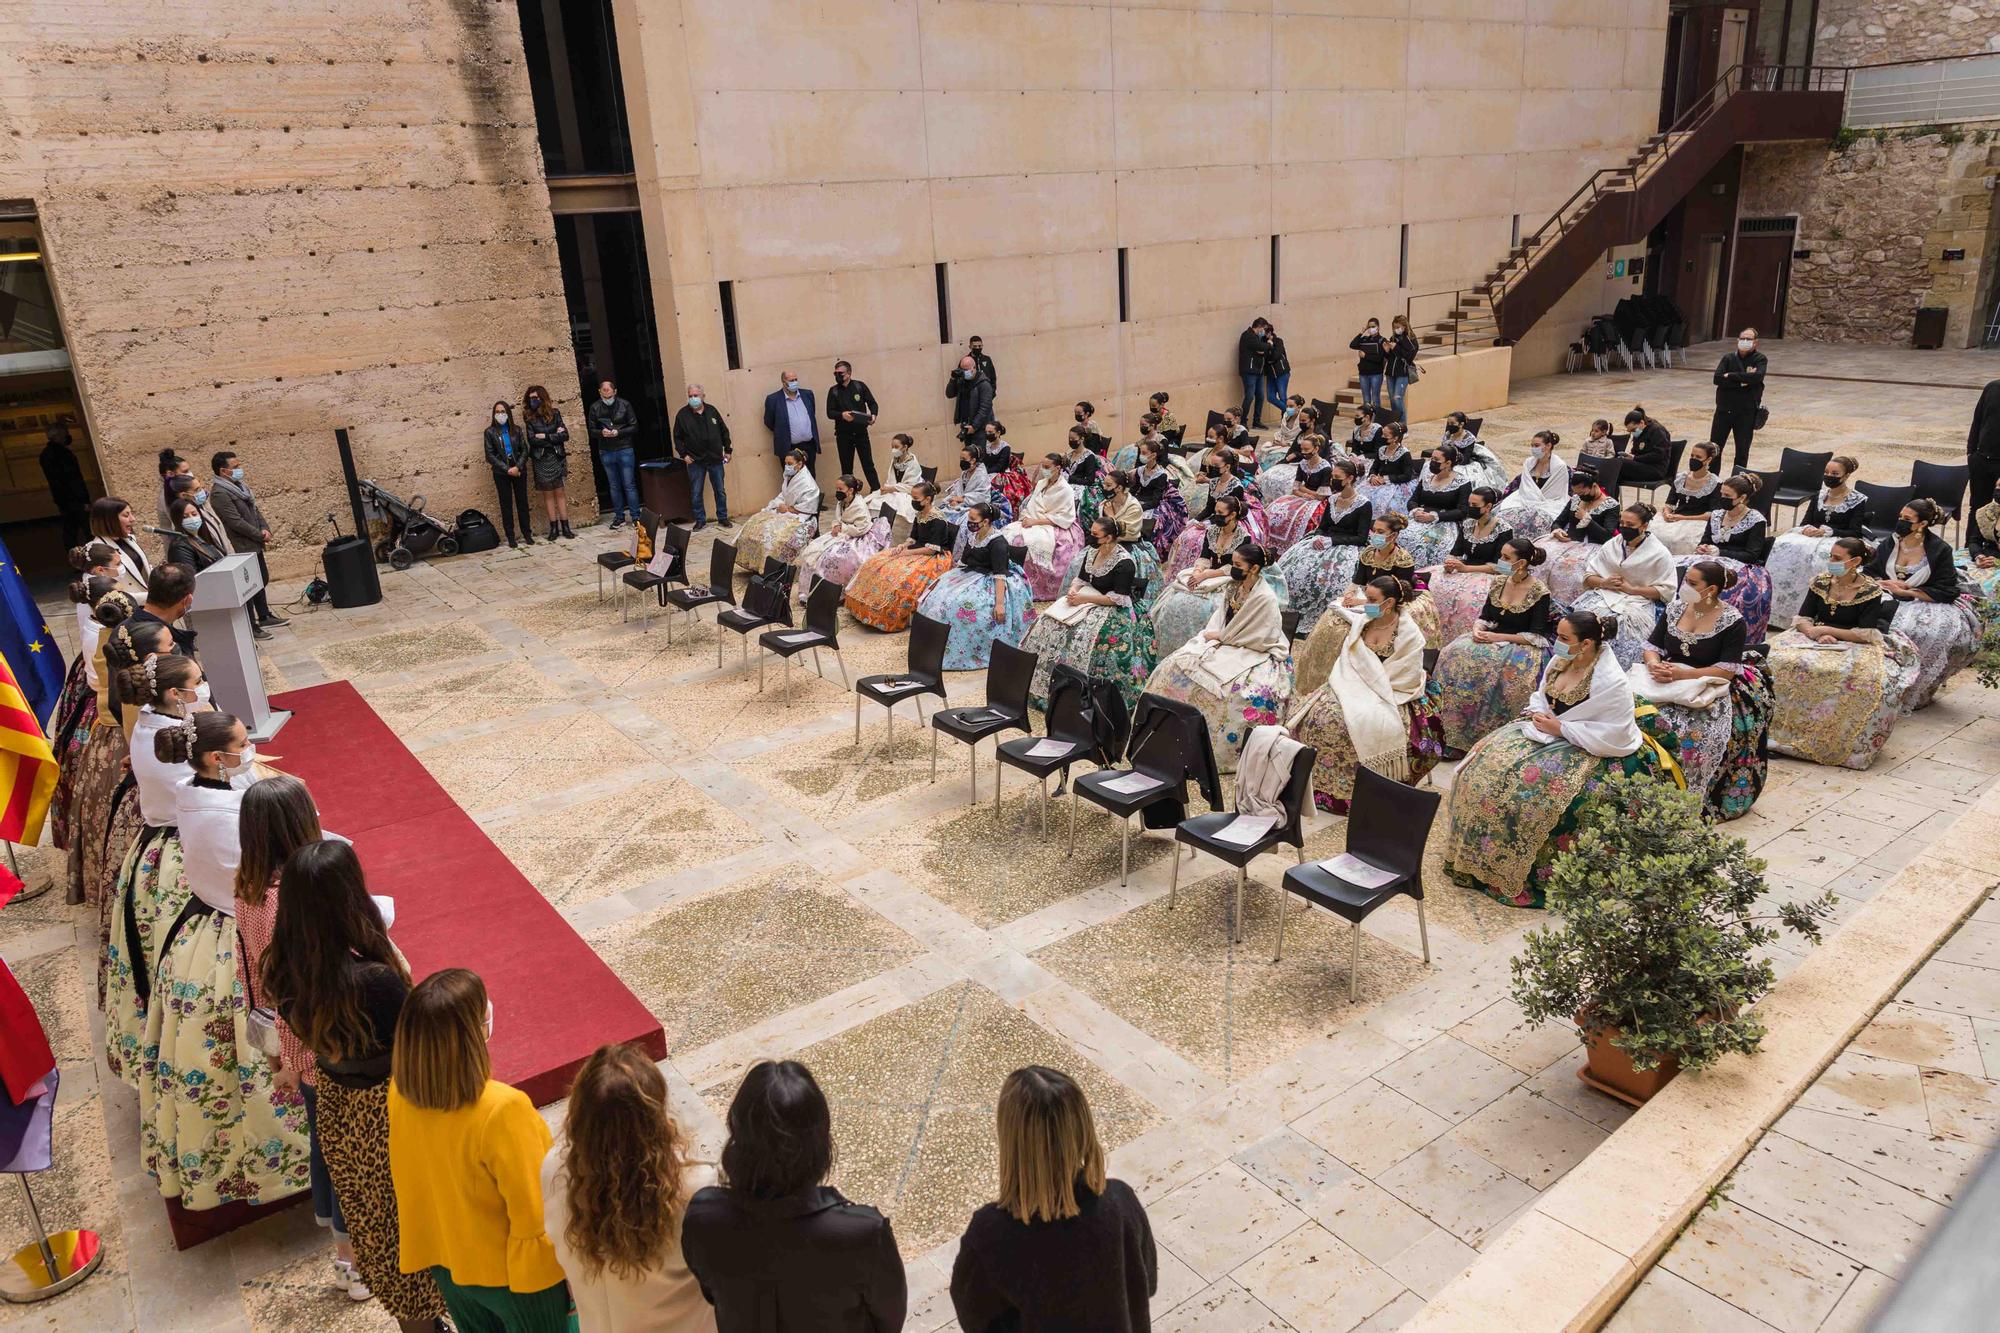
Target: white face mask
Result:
[499, 418]
[201, 694]
[791, 469]
[237, 761]
[1744, 344]
[192, 523]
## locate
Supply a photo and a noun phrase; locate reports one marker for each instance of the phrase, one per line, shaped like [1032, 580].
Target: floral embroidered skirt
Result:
[94, 776]
[1530, 521]
[124, 828]
[1513, 806]
[1390, 497]
[1723, 747]
[1568, 562]
[1106, 643]
[1752, 595]
[1946, 635]
[965, 600]
[1317, 574]
[1634, 627]
[885, 590]
[1289, 520]
[1275, 482]
[770, 534]
[1260, 697]
[1838, 705]
[835, 559]
[1794, 562]
[1324, 727]
[1181, 613]
[1481, 687]
[212, 1128]
[1045, 580]
[1428, 543]
[1168, 520]
[152, 889]
[1143, 556]
[69, 729]
[1460, 599]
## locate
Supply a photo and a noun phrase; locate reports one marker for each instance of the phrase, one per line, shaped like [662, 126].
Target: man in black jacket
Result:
[66, 484]
[975, 347]
[1252, 347]
[972, 400]
[850, 406]
[613, 427]
[1982, 445]
[701, 438]
[1739, 390]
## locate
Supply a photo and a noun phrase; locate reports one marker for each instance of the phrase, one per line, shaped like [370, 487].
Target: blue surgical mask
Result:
[1504, 567]
[236, 474]
[1562, 652]
[791, 468]
[694, 401]
[968, 373]
[201, 497]
[1377, 540]
[1836, 567]
[192, 523]
[1372, 610]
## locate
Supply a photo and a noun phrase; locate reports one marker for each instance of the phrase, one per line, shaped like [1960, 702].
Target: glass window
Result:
[572, 51]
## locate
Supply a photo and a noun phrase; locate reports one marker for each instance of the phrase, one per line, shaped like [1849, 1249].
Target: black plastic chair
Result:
[1160, 756]
[674, 540]
[741, 620]
[1289, 620]
[1214, 419]
[1328, 414]
[1606, 470]
[1472, 425]
[1767, 494]
[1676, 450]
[1799, 476]
[926, 668]
[611, 562]
[1010, 674]
[1147, 527]
[930, 473]
[1387, 826]
[1944, 483]
[1017, 556]
[1618, 443]
[1201, 833]
[822, 631]
[720, 590]
[1878, 515]
[1067, 723]
[1175, 436]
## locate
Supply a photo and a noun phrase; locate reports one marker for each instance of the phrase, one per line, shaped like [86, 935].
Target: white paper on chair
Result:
[798, 636]
[1354, 870]
[899, 686]
[1245, 829]
[1050, 749]
[1132, 784]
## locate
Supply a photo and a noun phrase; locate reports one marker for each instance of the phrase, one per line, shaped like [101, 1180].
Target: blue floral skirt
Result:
[965, 600]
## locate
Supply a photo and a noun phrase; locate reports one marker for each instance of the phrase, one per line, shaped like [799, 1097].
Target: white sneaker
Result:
[348, 1277]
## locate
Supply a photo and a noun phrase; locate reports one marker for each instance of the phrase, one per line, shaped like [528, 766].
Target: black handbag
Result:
[769, 596]
[1762, 419]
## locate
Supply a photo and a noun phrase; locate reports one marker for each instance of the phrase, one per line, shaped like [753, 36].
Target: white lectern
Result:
[228, 654]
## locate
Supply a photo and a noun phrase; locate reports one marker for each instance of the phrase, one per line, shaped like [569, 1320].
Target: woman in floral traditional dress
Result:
[782, 527]
[1294, 515]
[884, 592]
[1238, 671]
[1460, 585]
[1691, 498]
[1046, 524]
[1842, 670]
[1799, 556]
[1631, 577]
[1320, 569]
[1534, 500]
[1484, 677]
[1740, 538]
[983, 598]
[1917, 569]
[1187, 603]
[834, 555]
[1572, 543]
[1094, 626]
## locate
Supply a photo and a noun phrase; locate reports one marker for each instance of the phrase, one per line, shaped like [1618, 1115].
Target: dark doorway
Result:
[1761, 277]
[610, 297]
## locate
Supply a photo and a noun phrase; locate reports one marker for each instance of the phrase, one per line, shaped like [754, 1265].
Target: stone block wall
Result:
[268, 218]
[1876, 218]
[1866, 32]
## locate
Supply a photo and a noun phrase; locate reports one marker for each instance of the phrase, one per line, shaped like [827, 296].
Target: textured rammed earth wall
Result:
[1866, 32]
[268, 218]
[1877, 218]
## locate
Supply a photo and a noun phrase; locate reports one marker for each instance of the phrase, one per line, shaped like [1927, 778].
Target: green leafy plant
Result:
[1659, 929]
[1986, 657]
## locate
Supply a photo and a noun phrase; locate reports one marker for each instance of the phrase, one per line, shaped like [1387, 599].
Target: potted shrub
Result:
[1655, 952]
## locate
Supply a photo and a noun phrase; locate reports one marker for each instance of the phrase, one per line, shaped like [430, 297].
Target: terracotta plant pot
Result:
[1610, 1071]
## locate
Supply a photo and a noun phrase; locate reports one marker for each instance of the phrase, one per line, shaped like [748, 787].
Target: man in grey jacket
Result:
[236, 509]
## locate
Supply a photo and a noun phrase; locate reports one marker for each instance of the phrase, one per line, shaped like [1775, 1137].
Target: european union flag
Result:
[26, 643]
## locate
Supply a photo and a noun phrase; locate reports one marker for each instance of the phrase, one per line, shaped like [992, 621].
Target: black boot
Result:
[566, 531]
[527, 535]
[552, 529]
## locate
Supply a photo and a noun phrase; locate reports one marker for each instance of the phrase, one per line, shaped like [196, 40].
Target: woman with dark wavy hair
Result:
[614, 1192]
[548, 457]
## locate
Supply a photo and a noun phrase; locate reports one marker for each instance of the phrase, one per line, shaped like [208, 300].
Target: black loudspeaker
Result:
[350, 572]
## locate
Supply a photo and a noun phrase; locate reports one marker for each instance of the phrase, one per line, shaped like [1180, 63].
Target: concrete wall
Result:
[823, 158]
[268, 218]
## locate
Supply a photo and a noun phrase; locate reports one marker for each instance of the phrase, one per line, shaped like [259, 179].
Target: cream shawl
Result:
[1126, 513]
[1549, 496]
[1054, 501]
[1254, 635]
[1372, 691]
[1602, 724]
[800, 491]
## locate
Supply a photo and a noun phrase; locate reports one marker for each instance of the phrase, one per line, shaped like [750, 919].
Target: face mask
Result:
[1504, 567]
[1436, 467]
[965, 465]
[791, 468]
[840, 375]
[605, 395]
[236, 474]
[694, 401]
[1698, 465]
[1373, 329]
[1831, 480]
[1372, 610]
[1338, 484]
[968, 373]
[1045, 473]
[1291, 412]
[1904, 527]
[1477, 514]
[1213, 472]
[534, 402]
[243, 759]
[1079, 416]
[841, 497]
[201, 497]
[1836, 567]
[1629, 534]
[499, 418]
[1238, 573]
[201, 694]
[192, 523]
[1744, 345]
[1377, 541]
[1562, 652]
[991, 441]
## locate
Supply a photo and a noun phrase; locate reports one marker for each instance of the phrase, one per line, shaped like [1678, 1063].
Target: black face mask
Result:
[1477, 514]
[965, 465]
[1904, 527]
[1698, 465]
[1629, 534]
[1436, 467]
[1213, 472]
[1238, 573]
[1831, 480]
[1079, 416]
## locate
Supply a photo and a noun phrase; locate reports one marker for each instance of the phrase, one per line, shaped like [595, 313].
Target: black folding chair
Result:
[925, 675]
[1767, 492]
[1944, 483]
[1878, 515]
[1289, 620]
[930, 473]
[1175, 436]
[747, 618]
[1214, 419]
[1799, 476]
[1010, 674]
[1159, 756]
[822, 631]
[720, 590]
[1618, 443]
[1606, 470]
[1068, 726]
[1676, 449]
[1387, 826]
[674, 539]
[1203, 833]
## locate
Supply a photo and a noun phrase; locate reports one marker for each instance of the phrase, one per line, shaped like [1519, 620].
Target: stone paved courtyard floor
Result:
[768, 887]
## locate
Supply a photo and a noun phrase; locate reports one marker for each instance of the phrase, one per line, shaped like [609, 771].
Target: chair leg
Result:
[857, 719]
[760, 663]
[1242, 873]
[816, 666]
[1072, 821]
[1124, 851]
[934, 754]
[841, 658]
[972, 762]
[1174, 882]
[1044, 784]
[1354, 965]
[1424, 932]
[1278, 954]
[788, 682]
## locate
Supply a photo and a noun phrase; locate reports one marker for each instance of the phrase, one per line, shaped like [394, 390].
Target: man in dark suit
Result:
[1739, 391]
[1253, 347]
[66, 484]
[971, 395]
[788, 415]
[236, 508]
[1982, 446]
[851, 407]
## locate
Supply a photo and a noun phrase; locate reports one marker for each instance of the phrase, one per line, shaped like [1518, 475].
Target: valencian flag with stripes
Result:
[31, 679]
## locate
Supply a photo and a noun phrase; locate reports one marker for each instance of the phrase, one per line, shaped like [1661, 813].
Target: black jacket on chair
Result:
[1157, 715]
[1097, 1270]
[810, 1261]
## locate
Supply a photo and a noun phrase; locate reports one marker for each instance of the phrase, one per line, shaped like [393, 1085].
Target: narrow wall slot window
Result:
[1124, 285]
[1403, 257]
[944, 304]
[1275, 298]
[727, 291]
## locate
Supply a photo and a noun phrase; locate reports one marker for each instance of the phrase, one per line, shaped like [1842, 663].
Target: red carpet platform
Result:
[459, 903]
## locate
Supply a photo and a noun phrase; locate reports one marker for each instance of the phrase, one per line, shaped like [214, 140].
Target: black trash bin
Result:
[1929, 330]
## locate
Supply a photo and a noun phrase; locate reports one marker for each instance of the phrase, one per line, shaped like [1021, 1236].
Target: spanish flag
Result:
[27, 765]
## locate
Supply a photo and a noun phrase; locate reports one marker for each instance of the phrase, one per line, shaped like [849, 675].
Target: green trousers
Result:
[498, 1310]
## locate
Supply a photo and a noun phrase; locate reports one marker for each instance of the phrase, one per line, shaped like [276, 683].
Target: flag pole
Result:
[28, 891]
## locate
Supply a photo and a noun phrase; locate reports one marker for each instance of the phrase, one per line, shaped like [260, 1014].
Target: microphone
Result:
[163, 532]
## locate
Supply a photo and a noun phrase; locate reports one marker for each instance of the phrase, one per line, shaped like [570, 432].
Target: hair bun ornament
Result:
[152, 665]
[187, 733]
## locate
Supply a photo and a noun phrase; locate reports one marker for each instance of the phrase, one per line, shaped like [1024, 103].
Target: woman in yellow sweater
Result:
[466, 1156]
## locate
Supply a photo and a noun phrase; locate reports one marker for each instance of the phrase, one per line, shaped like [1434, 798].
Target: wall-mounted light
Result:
[20, 257]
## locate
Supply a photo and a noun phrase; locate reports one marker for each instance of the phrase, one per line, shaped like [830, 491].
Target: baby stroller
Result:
[412, 532]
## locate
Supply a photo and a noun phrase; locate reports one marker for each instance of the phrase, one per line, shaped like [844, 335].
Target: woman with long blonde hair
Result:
[1064, 1246]
[613, 1195]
